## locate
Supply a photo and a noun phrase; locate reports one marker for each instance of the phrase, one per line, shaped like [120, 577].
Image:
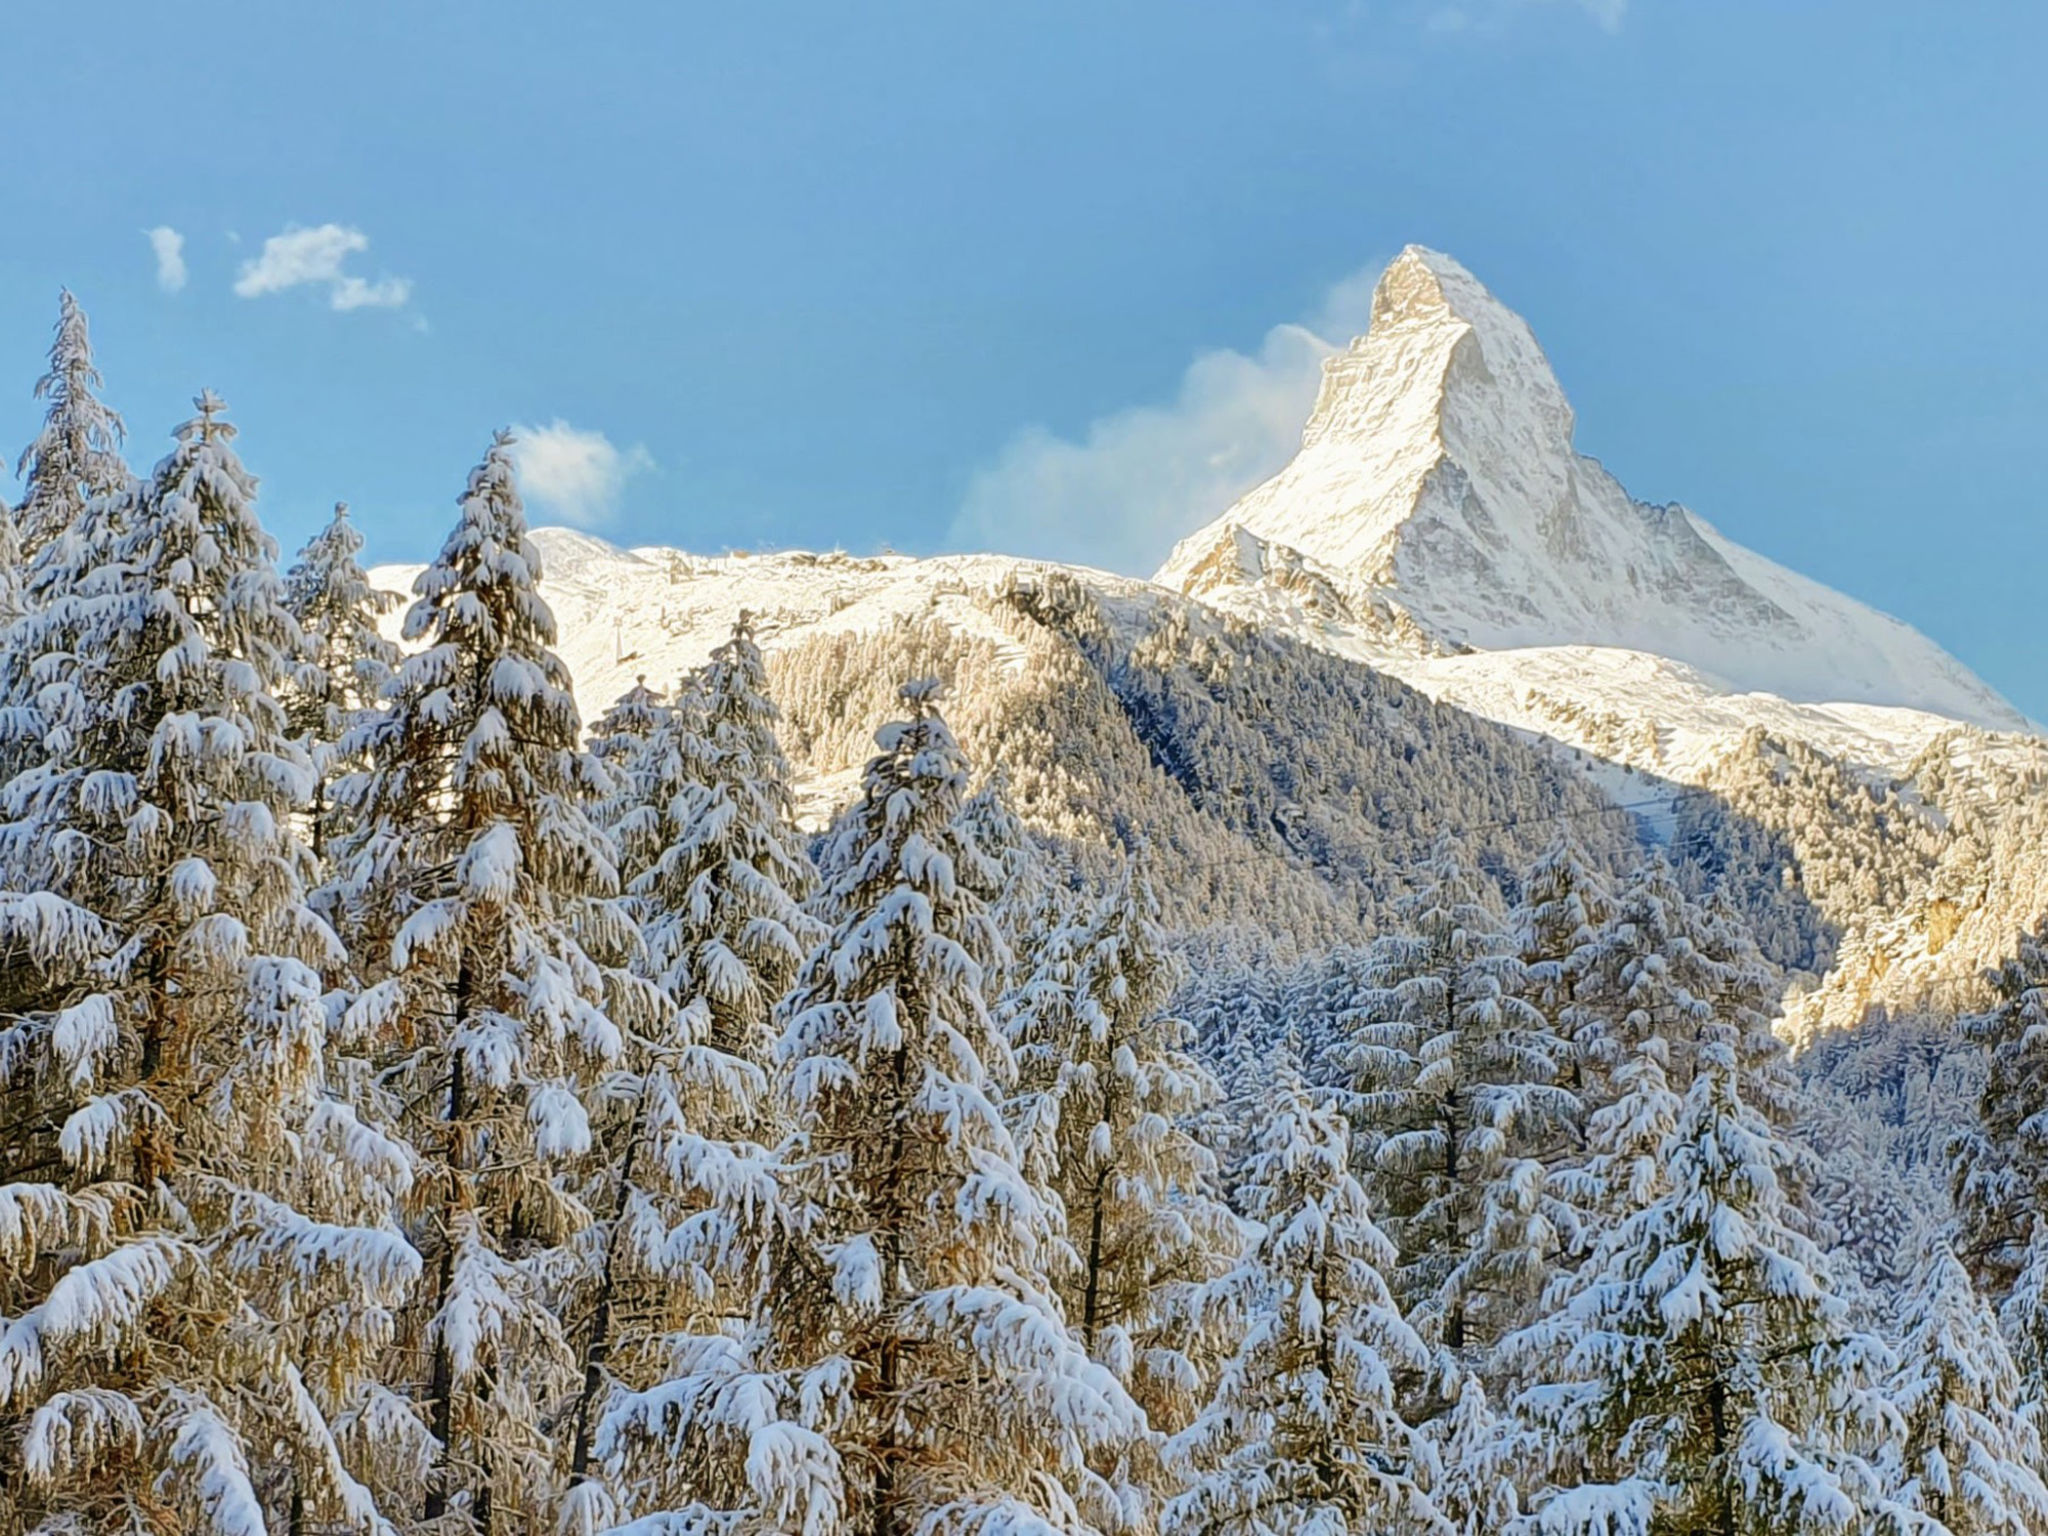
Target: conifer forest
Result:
[429, 1110]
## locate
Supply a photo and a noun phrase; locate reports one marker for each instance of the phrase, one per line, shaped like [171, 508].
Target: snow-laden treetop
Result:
[1437, 473]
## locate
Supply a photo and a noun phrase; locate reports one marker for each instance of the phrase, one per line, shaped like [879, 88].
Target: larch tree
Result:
[1107, 1090]
[910, 1369]
[75, 459]
[618, 740]
[1663, 964]
[1304, 1434]
[346, 661]
[13, 586]
[198, 1250]
[485, 901]
[1970, 1457]
[1455, 1082]
[1564, 905]
[725, 932]
[1708, 1379]
[1999, 1165]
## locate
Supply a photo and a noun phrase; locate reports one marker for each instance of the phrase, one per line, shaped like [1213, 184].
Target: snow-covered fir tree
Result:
[1999, 1165]
[1970, 1456]
[910, 1369]
[1563, 908]
[75, 459]
[1107, 1090]
[618, 740]
[1665, 965]
[483, 903]
[13, 585]
[622, 731]
[346, 661]
[198, 1255]
[1454, 1079]
[1706, 1378]
[1305, 1432]
[724, 929]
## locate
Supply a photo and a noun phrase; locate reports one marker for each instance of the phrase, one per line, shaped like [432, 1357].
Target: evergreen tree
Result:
[1305, 1433]
[725, 933]
[1564, 906]
[621, 733]
[1664, 965]
[198, 1255]
[1970, 1457]
[1485, 1457]
[619, 741]
[347, 662]
[485, 897]
[76, 457]
[1999, 1166]
[13, 592]
[1455, 1079]
[1107, 1088]
[1023, 899]
[910, 1370]
[1708, 1380]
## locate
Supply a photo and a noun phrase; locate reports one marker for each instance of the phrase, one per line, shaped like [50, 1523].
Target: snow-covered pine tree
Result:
[1745, 999]
[13, 590]
[722, 905]
[346, 661]
[1024, 900]
[1709, 1381]
[1999, 1166]
[1564, 905]
[484, 904]
[725, 933]
[1304, 1434]
[1971, 1455]
[1454, 1079]
[622, 731]
[76, 457]
[198, 1255]
[618, 740]
[1107, 1088]
[1238, 1009]
[910, 1370]
[1665, 965]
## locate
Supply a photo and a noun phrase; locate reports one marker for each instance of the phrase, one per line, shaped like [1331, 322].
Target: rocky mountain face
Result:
[1437, 479]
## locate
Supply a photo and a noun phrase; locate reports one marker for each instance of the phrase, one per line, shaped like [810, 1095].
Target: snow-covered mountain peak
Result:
[1442, 355]
[1438, 482]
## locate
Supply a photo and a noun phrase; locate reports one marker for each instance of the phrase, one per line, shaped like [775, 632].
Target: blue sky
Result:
[816, 274]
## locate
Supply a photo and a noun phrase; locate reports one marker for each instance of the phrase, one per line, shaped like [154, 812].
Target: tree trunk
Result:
[441, 1382]
[598, 1347]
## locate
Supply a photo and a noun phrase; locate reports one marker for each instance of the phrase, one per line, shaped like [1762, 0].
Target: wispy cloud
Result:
[1484, 16]
[1136, 480]
[575, 475]
[169, 247]
[314, 258]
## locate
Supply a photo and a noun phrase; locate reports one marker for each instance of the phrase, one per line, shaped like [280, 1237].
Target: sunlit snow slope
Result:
[1437, 503]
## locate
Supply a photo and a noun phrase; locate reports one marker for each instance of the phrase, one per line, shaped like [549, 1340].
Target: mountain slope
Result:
[1280, 790]
[1437, 485]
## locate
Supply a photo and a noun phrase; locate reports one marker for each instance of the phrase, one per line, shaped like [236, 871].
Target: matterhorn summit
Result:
[1437, 484]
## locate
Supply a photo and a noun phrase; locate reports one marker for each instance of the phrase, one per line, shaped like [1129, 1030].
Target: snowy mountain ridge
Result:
[1437, 525]
[1438, 481]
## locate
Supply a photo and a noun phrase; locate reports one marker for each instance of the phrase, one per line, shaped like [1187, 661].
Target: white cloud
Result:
[169, 247]
[575, 475]
[1138, 479]
[301, 257]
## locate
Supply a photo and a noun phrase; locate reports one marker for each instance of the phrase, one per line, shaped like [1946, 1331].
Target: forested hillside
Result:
[1179, 1082]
